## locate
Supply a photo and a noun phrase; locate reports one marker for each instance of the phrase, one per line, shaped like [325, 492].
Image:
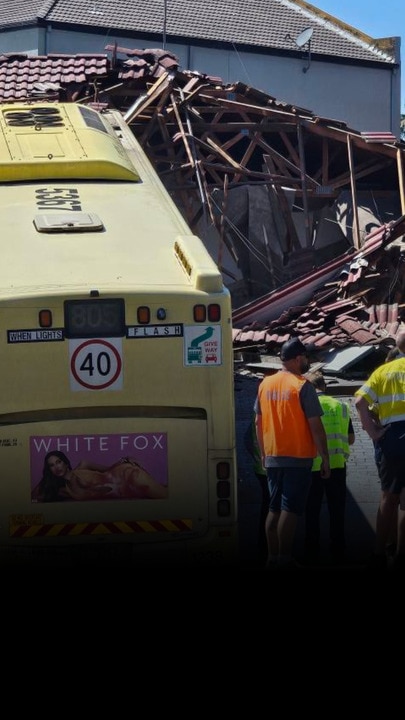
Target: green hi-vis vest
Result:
[335, 420]
[253, 447]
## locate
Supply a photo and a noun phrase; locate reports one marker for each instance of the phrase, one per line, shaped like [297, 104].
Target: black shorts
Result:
[391, 465]
[391, 472]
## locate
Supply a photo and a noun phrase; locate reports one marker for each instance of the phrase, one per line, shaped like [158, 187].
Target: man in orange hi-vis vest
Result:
[290, 434]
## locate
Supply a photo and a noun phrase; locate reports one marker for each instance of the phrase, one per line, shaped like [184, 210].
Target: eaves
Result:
[372, 60]
[22, 24]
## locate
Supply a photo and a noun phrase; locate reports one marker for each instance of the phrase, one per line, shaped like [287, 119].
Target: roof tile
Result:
[21, 74]
[270, 24]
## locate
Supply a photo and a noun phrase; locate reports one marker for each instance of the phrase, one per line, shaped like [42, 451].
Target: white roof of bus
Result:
[59, 140]
[74, 232]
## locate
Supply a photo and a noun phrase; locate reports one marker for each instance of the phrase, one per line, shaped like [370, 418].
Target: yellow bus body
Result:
[87, 224]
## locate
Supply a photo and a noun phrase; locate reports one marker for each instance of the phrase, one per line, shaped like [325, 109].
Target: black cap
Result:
[294, 347]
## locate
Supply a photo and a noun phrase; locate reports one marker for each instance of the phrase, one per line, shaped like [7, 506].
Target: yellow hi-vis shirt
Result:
[335, 419]
[385, 390]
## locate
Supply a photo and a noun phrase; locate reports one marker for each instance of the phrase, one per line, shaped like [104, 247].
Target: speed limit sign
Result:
[95, 364]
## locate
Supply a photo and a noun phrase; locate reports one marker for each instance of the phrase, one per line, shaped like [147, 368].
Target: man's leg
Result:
[264, 509]
[275, 483]
[296, 485]
[335, 488]
[386, 513]
[389, 470]
[401, 531]
[399, 559]
[312, 516]
[272, 521]
[287, 526]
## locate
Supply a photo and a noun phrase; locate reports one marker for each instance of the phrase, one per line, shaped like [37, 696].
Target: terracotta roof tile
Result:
[22, 75]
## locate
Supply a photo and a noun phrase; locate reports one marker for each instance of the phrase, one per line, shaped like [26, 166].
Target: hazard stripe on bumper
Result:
[122, 527]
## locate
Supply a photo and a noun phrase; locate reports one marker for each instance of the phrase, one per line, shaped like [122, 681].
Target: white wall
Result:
[358, 96]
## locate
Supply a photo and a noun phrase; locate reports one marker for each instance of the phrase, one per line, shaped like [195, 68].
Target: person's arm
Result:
[312, 408]
[368, 420]
[319, 437]
[350, 433]
[35, 493]
[89, 465]
[259, 435]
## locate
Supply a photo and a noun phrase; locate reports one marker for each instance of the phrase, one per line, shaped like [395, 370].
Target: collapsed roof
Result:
[276, 192]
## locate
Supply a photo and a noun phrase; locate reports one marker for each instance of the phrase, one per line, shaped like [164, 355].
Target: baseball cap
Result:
[294, 347]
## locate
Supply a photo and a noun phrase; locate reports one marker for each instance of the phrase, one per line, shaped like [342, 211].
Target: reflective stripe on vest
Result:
[336, 423]
[385, 389]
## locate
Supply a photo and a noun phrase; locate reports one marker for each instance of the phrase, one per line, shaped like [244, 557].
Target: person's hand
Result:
[325, 469]
[377, 431]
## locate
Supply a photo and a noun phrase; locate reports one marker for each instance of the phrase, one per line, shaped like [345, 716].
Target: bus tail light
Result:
[214, 312]
[45, 318]
[223, 489]
[223, 508]
[200, 313]
[223, 470]
[143, 314]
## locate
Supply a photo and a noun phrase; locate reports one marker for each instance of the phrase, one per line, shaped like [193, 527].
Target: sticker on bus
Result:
[202, 345]
[35, 335]
[99, 467]
[155, 331]
[96, 364]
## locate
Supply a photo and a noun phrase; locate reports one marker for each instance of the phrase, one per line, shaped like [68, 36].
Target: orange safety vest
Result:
[286, 432]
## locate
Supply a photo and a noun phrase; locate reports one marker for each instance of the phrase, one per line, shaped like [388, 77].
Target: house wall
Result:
[27, 40]
[339, 92]
[365, 98]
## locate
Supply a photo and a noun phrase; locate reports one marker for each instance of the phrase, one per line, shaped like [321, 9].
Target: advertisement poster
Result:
[98, 467]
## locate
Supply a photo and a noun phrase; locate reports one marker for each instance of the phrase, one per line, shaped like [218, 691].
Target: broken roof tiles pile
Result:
[339, 314]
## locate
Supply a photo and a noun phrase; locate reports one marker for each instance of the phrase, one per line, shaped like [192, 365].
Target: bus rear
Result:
[117, 419]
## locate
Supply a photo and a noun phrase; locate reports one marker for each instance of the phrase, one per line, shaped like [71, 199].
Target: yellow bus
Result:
[116, 365]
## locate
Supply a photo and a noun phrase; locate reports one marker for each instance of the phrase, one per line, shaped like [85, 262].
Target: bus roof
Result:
[45, 141]
[75, 233]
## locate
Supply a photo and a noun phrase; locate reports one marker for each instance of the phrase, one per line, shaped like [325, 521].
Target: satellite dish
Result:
[304, 37]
